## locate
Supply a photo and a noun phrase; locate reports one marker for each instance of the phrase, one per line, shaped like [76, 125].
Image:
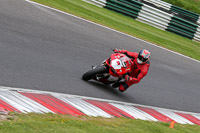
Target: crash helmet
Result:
[143, 56]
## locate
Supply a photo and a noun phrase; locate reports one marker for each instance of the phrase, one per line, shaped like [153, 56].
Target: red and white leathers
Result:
[138, 70]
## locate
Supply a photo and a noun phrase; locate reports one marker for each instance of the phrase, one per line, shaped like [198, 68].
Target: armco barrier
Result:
[153, 16]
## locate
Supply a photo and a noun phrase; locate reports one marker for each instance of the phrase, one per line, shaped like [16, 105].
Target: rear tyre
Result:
[92, 73]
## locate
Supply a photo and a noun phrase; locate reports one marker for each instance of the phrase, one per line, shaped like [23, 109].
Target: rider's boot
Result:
[123, 87]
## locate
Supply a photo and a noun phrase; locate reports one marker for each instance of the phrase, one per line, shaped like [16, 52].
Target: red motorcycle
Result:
[112, 70]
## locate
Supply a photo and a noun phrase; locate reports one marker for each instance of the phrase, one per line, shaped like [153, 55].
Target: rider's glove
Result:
[116, 50]
[129, 78]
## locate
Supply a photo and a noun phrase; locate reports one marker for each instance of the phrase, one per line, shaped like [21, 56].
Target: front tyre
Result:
[92, 73]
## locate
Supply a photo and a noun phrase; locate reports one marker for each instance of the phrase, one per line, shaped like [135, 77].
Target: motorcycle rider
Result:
[139, 65]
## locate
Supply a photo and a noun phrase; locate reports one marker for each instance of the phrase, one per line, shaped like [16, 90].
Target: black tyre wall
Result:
[90, 74]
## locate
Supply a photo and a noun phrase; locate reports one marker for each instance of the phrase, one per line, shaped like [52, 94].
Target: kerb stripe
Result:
[22, 103]
[177, 118]
[190, 118]
[155, 114]
[53, 104]
[85, 107]
[110, 109]
[135, 112]
[7, 107]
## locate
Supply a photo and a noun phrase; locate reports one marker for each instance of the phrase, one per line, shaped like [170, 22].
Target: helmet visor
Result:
[142, 59]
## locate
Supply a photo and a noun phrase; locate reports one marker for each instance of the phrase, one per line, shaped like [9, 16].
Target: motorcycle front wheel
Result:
[92, 73]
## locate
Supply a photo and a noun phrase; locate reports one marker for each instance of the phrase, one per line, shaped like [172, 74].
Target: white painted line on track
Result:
[110, 29]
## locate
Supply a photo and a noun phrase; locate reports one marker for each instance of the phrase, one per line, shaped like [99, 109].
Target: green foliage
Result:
[53, 123]
[191, 5]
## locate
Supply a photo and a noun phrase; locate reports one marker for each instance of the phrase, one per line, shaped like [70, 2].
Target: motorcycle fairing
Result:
[119, 64]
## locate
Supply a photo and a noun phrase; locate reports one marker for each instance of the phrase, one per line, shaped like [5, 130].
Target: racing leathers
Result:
[138, 70]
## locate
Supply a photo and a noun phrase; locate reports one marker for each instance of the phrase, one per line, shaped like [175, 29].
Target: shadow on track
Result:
[108, 89]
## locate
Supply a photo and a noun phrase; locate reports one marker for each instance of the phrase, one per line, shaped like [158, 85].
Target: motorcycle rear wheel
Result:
[92, 73]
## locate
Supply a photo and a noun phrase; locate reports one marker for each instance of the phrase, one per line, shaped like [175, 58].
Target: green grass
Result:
[52, 123]
[191, 5]
[127, 25]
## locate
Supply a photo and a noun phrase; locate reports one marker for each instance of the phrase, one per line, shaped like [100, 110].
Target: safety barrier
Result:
[129, 8]
[182, 27]
[179, 12]
[197, 34]
[160, 3]
[153, 16]
[185, 14]
[198, 22]
[100, 3]
[178, 24]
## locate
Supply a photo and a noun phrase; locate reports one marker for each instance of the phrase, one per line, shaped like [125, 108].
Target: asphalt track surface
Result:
[43, 49]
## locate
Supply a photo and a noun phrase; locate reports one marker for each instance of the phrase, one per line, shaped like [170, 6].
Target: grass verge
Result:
[53, 123]
[127, 25]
